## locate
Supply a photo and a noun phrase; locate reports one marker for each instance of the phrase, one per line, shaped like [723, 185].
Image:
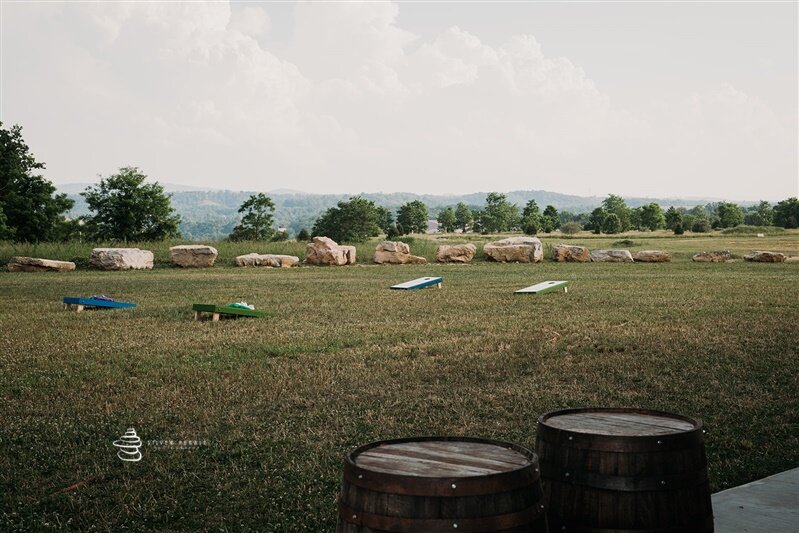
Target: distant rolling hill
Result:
[212, 213]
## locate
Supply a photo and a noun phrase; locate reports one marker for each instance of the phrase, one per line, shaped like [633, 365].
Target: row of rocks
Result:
[325, 251]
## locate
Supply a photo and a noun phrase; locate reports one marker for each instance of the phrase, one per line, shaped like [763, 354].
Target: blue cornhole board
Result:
[545, 286]
[419, 283]
[80, 303]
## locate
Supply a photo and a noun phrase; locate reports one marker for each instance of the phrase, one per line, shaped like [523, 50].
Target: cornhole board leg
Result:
[196, 315]
[215, 317]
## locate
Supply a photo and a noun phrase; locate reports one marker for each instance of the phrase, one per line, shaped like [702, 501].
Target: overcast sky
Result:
[645, 99]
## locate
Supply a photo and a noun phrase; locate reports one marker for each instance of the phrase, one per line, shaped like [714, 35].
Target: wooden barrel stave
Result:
[624, 483]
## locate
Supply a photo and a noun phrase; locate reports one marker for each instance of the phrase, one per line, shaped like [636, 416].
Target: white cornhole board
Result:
[546, 286]
[419, 283]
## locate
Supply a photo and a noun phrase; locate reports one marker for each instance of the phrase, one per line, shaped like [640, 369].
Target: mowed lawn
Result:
[275, 403]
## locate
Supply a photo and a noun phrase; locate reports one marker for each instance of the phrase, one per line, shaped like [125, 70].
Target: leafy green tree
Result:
[303, 235]
[353, 221]
[700, 225]
[760, 215]
[257, 221]
[127, 209]
[652, 217]
[31, 211]
[616, 204]
[550, 220]
[412, 217]
[596, 221]
[384, 218]
[786, 213]
[635, 218]
[499, 214]
[5, 232]
[672, 218]
[730, 215]
[446, 220]
[463, 216]
[531, 218]
[612, 224]
[477, 220]
[571, 228]
[678, 229]
[280, 236]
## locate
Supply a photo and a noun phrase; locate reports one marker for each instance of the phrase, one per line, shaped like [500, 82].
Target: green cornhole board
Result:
[545, 286]
[217, 310]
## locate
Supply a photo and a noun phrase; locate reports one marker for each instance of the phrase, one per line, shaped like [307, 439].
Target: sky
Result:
[684, 99]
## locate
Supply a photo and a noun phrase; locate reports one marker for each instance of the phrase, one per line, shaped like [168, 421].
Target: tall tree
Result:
[596, 220]
[531, 218]
[551, 219]
[446, 220]
[463, 216]
[616, 204]
[760, 215]
[412, 217]
[257, 219]
[31, 210]
[384, 219]
[353, 221]
[652, 217]
[786, 213]
[127, 209]
[612, 224]
[499, 214]
[672, 218]
[730, 215]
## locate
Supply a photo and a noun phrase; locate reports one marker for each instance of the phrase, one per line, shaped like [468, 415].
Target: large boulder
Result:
[35, 264]
[761, 256]
[121, 259]
[455, 253]
[611, 256]
[193, 255]
[652, 256]
[721, 256]
[570, 254]
[520, 249]
[325, 251]
[267, 260]
[397, 253]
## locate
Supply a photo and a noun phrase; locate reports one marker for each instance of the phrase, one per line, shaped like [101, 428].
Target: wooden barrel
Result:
[441, 484]
[624, 470]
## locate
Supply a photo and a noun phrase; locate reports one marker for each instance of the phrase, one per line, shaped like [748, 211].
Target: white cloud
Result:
[354, 102]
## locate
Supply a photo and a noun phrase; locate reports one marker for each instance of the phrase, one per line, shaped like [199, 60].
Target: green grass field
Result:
[276, 402]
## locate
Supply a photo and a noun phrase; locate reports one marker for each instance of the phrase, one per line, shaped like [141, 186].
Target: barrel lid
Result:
[441, 466]
[441, 458]
[619, 422]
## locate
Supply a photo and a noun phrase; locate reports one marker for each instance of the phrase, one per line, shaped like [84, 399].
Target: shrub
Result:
[701, 225]
[678, 229]
[571, 228]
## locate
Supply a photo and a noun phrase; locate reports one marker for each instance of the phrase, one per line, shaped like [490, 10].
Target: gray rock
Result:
[121, 259]
[35, 264]
[193, 255]
[515, 249]
[611, 256]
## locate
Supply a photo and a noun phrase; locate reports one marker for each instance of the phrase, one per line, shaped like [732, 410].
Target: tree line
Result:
[123, 207]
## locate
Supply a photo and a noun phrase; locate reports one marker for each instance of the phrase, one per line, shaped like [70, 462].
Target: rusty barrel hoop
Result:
[420, 494]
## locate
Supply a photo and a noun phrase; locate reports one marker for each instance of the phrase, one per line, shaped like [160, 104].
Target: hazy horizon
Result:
[685, 100]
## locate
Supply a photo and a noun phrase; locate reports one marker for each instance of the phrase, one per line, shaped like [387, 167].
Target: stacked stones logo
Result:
[129, 445]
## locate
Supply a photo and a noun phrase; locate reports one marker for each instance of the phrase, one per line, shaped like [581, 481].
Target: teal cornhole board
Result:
[81, 303]
[546, 286]
[419, 283]
[217, 310]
